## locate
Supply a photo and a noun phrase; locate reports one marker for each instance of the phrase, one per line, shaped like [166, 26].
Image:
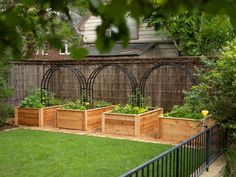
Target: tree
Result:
[14, 18]
[217, 89]
[15, 21]
[196, 32]
[62, 28]
[6, 91]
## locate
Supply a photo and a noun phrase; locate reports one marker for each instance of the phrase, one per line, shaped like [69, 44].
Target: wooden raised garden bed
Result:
[43, 117]
[180, 129]
[90, 119]
[145, 124]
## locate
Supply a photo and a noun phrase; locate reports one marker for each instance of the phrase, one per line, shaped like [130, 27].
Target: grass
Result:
[26, 153]
[188, 162]
[230, 170]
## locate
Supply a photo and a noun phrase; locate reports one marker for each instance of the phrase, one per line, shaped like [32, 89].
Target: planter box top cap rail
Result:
[181, 118]
[87, 109]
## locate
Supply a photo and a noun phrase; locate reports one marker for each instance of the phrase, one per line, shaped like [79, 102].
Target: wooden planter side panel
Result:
[119, 124]
[94, 118]
[210, 122]
[70, 119]
[149, 124]
[178, 129]
[29, 117]
[49, 117]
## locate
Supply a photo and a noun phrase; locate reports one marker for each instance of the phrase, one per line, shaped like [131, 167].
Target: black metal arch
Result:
[95, 73]
[157, 66]
[47, 76]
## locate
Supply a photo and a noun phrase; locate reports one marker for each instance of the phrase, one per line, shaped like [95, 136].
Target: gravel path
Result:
[99, 134]
[216, 169]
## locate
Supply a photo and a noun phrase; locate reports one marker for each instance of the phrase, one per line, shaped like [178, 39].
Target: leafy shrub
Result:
[217, 92]
[183, 112]
[5, 91]
[101, 103]
[194, 102]
[128, 109]
[34, 99]
[196, 32]
[5, 112]
[230, 169]
[137, 105]
[80, 105]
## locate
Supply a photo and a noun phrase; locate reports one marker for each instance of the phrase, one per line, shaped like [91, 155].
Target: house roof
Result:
[133, 49]
[83, 21]
[75, 19]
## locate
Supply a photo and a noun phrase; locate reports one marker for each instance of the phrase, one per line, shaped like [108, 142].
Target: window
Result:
[43, 50]
[111, 30]
[133, 29]
[65, 49]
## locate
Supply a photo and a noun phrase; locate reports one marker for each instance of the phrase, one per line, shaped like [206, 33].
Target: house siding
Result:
[144, 33]
[90, 29]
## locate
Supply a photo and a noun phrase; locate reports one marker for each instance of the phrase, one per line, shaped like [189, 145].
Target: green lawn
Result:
[33, 153]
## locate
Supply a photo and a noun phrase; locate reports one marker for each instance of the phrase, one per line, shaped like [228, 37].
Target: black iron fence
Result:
[188, 159]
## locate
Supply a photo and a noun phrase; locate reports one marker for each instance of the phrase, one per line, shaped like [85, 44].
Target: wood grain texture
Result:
[94, 117]
[27, 116]
[149, 123]
[132, 125]
[90, 119]
[137, 126]
[16, 116]
[49, 116]
[44, 117]
[40, 115]
[70, 119]
[119, 124]
[179, 129]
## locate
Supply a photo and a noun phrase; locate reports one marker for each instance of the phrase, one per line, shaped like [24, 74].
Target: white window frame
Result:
[110, 30]
[66, 48]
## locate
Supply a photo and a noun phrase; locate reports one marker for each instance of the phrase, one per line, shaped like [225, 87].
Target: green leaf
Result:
[95, 3]
[55, 41]
[78, 53]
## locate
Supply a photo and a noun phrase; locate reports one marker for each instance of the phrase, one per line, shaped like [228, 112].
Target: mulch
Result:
[7, 126]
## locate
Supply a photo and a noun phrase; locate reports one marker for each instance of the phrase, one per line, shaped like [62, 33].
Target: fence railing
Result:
[188, 159]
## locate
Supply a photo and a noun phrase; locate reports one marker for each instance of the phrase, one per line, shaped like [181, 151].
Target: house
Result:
[145, 42]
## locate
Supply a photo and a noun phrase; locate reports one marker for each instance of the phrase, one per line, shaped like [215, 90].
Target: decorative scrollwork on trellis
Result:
[47, 77]
[86, 87]
[94, 74]
[146, 75]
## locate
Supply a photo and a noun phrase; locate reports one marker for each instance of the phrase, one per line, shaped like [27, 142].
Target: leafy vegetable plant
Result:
[194, 102]
[80, 105]
[101, 103]
[137, 105]
[128, 109]
[34, 100]
[184, 112]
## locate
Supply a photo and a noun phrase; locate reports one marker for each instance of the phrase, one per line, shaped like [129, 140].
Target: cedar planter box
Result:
[90, 119]
[180, 129]
[137, 125]
[43, 117]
